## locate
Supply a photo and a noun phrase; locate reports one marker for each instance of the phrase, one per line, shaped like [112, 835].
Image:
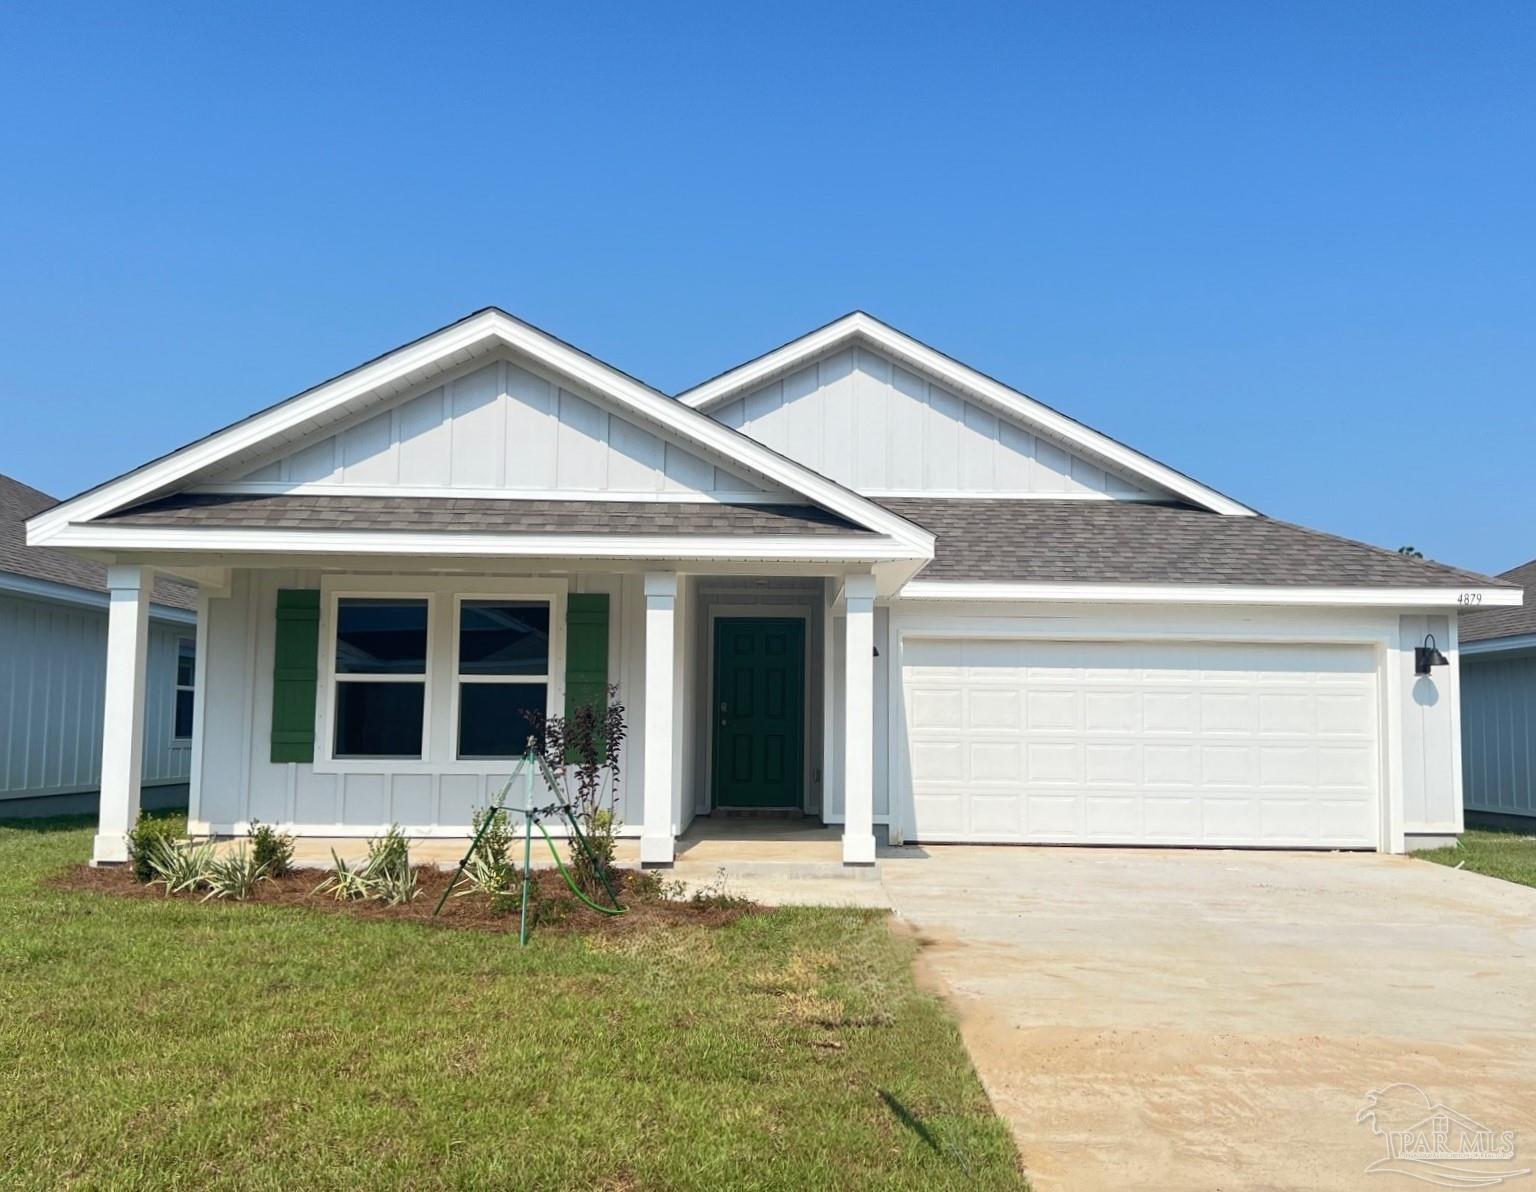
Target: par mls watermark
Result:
[1434, 1143]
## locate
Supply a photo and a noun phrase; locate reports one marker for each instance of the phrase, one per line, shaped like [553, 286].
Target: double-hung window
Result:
[186, 675]
[502, 675]
[381, 677]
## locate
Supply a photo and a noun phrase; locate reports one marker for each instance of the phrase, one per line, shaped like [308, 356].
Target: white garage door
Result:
[1142, 743]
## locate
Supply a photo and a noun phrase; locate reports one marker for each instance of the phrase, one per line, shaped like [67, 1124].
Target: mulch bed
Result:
[559, 911]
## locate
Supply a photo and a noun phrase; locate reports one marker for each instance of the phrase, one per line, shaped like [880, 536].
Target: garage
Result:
[1269, 745]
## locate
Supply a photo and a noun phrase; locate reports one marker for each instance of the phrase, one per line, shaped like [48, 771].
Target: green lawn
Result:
[160, 1044]
[1498, 854]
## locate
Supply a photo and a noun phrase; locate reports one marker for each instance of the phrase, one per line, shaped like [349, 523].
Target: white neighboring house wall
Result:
[52, 670]
[862, 419]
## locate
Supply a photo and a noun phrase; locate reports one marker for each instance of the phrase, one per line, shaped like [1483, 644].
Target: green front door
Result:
[759, 712]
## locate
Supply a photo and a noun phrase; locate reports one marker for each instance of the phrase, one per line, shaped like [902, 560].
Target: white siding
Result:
[1498, 734]
[1431, 764]
[239, 781]
[868, 423]
[52, 660]
[500, 429]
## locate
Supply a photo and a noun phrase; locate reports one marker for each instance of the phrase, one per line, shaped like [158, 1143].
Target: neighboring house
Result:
[53, 653]
[1498, 735]
[852, 578]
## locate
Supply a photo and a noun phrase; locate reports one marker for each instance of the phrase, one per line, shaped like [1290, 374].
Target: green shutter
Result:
[295, 660]
[586, 650]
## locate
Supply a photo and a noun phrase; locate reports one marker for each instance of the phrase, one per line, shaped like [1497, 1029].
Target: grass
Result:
[1508, 855]
[171, 1044]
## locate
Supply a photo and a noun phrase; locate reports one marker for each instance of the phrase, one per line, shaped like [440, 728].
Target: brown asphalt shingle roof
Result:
[1489, 623]
[473, 515]
[19, 502]
[1134, 542]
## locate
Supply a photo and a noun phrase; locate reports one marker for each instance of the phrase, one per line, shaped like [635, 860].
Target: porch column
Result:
[859, 721]
[660, 772]
[122, 740]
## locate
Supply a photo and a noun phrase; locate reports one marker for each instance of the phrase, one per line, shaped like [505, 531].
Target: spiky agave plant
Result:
[234, 875]
[346, 881]
[180, 867]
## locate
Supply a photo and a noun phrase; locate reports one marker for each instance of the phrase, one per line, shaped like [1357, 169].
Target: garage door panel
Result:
[1163, 742]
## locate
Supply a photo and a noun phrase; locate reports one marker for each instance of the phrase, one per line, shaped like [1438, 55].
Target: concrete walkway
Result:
[1214, 1020]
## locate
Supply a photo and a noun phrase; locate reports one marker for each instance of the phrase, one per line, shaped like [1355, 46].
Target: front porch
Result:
[335, 701]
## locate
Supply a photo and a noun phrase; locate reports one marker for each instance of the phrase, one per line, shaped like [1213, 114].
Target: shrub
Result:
[346, 881]
[580, 754]
[143, 834]
[234, 875]
[272, 849]
[390, 851]
[181, 867]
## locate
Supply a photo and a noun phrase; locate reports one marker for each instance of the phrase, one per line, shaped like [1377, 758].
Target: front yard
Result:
[1508, 855]
[147, 1043]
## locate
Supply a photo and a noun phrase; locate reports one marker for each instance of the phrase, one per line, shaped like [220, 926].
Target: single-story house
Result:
[851, 578]
[53, 654]
[1498, 647]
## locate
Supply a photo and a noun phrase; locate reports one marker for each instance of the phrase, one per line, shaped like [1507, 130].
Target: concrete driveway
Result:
[1214, 1020]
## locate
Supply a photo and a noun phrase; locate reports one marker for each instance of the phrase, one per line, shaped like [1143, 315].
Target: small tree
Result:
[582, 752]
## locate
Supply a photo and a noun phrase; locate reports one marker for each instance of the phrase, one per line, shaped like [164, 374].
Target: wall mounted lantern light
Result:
[1427, 655]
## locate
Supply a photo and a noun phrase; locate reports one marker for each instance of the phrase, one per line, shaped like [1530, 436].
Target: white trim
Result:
[807, 547]
[954, 494]
[1498, 645]
[458, 677]
[442, 593]
[46, 589]
[478, 333]
[967, 381]
[320, 488]
[1453, 656]
[1208, 594]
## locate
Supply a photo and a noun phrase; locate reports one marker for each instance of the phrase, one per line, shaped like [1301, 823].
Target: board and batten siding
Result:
[499, 429]
[864, 421]
[52, 674]
[239, 781]
[1498, 734]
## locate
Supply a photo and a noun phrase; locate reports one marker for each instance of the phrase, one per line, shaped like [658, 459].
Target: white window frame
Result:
[439, 751]
[547, 679]
[177, 687]
[334, 679]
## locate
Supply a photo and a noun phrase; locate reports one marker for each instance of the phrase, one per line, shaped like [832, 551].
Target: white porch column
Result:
[859, 721]
[122, 741]
[660, 773]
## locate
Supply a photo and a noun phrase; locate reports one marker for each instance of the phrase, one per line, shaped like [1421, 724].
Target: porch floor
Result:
[722, 838]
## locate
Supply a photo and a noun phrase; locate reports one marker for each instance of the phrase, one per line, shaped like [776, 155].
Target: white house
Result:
[852, 577]
[53, 652]
[1499, 711]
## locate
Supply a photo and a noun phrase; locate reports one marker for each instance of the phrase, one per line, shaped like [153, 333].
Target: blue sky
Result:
[1289, 249]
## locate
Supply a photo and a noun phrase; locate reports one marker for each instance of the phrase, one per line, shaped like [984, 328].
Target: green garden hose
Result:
[570, 881]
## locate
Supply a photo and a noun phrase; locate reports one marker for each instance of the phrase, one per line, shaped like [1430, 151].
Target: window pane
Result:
[379, 719]
[183, 714]
[503, 637]
[186, 662]
[493, 717]
[381, 637]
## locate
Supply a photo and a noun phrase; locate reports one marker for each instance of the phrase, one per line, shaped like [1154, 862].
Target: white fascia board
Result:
[42, 589]
[1211, 594]
[1498, 645]
[967, 381]
[469, 334]
[457, 544]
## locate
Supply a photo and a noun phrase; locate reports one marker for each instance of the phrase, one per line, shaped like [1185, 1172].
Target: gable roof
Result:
[912, 353]
[388, 376]
[1029, 542]
[18, 502]
[1491, 624]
